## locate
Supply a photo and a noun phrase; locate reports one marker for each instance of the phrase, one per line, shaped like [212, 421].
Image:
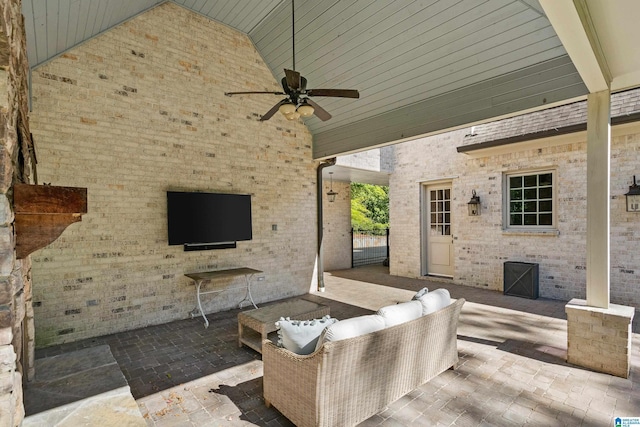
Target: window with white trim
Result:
[530, 200]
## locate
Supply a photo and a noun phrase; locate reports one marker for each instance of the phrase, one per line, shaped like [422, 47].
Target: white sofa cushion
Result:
[435, 300]
[400, 313]
[353, 327]
[301, 336]
[420, 293]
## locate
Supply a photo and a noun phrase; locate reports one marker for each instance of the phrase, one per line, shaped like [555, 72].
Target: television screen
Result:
[201, 218]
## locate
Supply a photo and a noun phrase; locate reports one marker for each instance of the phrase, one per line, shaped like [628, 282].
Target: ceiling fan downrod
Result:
[298, 101]
[293, 34]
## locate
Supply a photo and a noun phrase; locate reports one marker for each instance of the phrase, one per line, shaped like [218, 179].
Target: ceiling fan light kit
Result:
[290, 111]
[293, 116]
[298, 103]
[287, 109]
[305, 110]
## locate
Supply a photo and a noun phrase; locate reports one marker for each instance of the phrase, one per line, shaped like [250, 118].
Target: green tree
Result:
[369, 206]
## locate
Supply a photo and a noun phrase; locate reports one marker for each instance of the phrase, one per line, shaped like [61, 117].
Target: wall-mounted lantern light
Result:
[474, 204]
[331, 195]
[633, 197]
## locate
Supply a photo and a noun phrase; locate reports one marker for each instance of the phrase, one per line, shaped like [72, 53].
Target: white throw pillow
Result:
[301, 336]
[420, 293]
[400, 313]
[435, 300]
[353, 327]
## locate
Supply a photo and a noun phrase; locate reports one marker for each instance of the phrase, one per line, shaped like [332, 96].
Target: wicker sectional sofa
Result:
[347, 381]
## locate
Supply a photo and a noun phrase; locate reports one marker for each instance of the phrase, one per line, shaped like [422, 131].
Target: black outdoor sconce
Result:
[474, 204]
[633, 197]
[331, 195]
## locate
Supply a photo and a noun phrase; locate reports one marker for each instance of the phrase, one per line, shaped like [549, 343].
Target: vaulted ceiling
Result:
[421, 66]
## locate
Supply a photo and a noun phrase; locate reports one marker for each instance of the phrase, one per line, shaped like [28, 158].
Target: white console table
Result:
[208, 276]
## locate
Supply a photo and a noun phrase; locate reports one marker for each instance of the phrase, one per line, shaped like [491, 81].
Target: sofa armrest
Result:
[290, 382]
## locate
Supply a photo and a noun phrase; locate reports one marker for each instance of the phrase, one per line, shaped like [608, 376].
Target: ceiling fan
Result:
[298, 101]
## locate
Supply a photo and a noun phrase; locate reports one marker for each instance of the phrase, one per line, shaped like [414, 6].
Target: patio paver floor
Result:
[512, 365]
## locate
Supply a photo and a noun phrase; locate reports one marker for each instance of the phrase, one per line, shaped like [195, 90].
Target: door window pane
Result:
[440, 212]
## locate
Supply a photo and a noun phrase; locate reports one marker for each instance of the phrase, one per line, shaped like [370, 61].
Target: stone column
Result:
[16, 327]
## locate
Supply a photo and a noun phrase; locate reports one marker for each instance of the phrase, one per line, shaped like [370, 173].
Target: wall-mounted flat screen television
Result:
[208, 220]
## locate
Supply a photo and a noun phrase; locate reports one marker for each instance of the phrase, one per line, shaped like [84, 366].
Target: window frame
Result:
[506, 219]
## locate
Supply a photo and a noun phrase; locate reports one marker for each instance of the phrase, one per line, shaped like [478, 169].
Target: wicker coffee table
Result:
[255, 325]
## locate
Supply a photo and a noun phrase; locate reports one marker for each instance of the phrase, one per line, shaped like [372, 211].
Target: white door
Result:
[438, 241]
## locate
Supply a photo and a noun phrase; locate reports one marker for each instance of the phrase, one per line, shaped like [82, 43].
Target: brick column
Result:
[599, 338]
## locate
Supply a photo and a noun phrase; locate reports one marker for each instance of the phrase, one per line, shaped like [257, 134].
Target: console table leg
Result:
[248, 297]
[248, 278]
[207, 276]
[206, 321]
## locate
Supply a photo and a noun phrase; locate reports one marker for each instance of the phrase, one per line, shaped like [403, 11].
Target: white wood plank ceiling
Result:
[421, 66]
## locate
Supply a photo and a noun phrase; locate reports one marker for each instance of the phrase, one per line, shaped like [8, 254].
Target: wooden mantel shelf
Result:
[43, 212]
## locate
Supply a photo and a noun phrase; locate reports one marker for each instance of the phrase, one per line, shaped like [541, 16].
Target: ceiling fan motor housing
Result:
[294, 85]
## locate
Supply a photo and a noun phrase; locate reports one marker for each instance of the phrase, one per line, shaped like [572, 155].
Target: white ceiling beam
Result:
[572, 23]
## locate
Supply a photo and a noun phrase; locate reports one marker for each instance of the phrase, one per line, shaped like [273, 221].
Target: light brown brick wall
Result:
[599, 339]
[337, 227]
[481, 246]
[141, 110]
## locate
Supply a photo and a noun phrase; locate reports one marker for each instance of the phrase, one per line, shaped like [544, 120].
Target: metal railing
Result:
[369, 247]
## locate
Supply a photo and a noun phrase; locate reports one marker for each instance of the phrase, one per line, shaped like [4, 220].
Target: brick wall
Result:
[369, 160]
[481, 246]
[141, 110]
[336, 218]
[377, 159]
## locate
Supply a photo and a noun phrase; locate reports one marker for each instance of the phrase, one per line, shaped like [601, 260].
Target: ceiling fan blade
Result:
[319, 111]
[272, 111]
[293, 78]
[340, 93]
[253, 93]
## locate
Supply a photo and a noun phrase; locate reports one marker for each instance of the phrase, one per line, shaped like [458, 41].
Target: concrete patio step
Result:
[80, 388]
